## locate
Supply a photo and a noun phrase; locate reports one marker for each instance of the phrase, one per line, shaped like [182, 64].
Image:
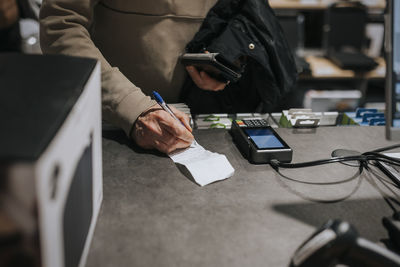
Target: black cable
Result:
[394, 200]
[380, 155]
[275, 163]
[320, 183]
[384, 183]
[385, 161]
[372, 156]
[325, 201]
[386, 148]
[388, 199]
[389, 204]
[388, 180]
[364, 160]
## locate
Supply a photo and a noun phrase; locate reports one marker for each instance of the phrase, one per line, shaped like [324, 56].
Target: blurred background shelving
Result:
[307, 25]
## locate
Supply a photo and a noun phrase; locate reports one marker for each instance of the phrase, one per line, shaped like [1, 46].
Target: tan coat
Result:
[137, 41]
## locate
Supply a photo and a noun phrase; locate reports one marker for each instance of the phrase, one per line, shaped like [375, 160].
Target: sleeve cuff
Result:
[130, 108]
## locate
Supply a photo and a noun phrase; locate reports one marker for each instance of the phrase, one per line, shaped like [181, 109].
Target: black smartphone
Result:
[213, 64]
[259, 142]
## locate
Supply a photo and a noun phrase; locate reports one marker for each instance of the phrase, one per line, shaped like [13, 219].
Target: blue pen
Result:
[165, 107]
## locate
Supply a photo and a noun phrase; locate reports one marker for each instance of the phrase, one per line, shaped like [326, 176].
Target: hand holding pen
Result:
[165, 107]
[165, 129]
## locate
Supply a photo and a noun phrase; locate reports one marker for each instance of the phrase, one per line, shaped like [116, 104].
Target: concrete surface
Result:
[152, 215]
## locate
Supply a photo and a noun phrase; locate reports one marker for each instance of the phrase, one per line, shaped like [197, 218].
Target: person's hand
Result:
[157, 129]
[8, 13]
[204, 81]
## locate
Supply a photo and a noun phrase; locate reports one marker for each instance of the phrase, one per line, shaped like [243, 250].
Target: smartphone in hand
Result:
[213, 64]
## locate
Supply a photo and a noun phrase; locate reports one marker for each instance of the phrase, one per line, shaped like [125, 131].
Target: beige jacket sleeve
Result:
[64, 29]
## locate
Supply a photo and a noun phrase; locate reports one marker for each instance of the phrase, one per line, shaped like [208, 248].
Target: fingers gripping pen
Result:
[165, 107]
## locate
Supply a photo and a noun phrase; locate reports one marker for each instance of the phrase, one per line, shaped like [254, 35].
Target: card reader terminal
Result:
[258, 142]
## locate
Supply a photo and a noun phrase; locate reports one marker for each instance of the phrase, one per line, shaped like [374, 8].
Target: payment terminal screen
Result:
[264, 138]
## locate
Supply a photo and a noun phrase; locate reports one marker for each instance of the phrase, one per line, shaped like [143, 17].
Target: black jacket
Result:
[247, 33]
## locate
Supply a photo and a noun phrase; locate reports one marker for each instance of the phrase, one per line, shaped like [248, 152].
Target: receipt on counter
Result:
[204, 166]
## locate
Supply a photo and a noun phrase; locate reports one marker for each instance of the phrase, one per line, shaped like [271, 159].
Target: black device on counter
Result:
[213, 64]
[337, 242]
[259, 142]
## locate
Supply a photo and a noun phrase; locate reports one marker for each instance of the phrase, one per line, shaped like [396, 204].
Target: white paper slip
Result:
[204, 166]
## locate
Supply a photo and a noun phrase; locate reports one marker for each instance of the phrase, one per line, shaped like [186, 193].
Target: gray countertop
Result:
[152, 215]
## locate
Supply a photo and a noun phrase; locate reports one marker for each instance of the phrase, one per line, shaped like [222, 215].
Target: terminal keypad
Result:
[255, 122]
